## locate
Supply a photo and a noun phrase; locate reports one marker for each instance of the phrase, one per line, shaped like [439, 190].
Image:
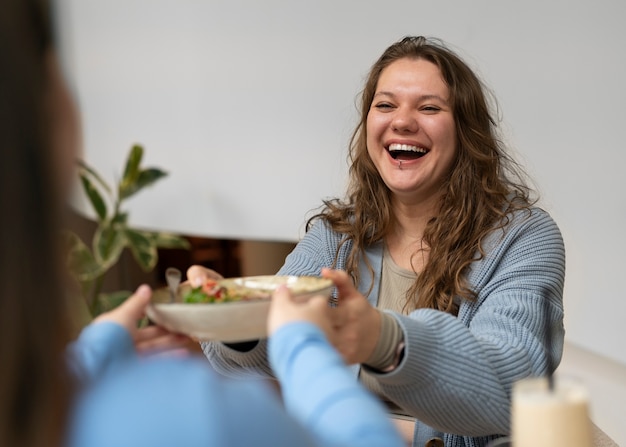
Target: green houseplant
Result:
[113, 234]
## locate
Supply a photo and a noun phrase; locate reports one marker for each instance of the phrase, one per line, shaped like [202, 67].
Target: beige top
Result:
[394, 284]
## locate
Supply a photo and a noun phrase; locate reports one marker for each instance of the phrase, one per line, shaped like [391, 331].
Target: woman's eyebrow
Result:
[420, 98]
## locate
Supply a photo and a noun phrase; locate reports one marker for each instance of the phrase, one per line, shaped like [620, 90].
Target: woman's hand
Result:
[285, 309]
[197, 275]
[149, 339]
[356, 323]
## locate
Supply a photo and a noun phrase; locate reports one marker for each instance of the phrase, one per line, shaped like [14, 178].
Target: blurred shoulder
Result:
[158, 402]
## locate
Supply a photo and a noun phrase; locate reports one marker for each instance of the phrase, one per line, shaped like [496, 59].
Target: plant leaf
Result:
[88, 171]
[146, 178]
[169, 240]
[108, 243]
[149, 176]
[121, 218]
[81, 261]
[131, 170]
[95, 198]
[143, 248]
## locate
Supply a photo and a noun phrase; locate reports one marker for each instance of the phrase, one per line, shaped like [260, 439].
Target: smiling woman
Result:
[222, 88]
[104, 387]
[445, 258]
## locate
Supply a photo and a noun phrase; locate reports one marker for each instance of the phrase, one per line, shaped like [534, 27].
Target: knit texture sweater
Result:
[457, 372]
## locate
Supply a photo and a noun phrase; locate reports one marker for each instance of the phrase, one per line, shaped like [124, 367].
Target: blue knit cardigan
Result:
[457, 371]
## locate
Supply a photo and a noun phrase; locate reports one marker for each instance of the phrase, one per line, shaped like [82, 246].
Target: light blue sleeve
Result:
[321, 392]
[99, 347]
[163, 402]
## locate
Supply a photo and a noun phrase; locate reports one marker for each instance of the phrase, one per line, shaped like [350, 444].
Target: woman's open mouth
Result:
[406, 152]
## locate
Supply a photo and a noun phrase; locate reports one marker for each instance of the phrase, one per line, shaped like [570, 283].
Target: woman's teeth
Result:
[396, 149]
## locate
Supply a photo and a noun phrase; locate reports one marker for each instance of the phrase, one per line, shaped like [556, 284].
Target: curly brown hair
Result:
[484, 186]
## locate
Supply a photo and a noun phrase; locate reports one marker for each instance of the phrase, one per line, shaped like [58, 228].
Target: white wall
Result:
[250, 104]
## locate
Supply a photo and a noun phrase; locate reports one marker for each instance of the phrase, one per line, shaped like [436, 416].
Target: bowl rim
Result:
[325, 285]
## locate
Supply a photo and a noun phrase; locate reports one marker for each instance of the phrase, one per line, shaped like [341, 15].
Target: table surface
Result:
[601, 439]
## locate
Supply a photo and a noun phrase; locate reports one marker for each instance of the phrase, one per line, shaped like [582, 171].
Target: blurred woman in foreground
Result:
[100, 391]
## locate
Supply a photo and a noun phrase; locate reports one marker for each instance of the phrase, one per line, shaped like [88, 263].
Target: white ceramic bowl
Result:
[230, 321]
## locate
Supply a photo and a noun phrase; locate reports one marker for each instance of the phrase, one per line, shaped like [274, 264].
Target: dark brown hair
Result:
[484, 186]
[35, 390]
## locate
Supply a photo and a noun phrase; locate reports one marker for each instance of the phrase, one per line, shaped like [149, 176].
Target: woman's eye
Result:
[431, 109]
[383, 106]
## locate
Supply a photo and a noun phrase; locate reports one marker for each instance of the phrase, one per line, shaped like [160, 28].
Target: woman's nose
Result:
[404, 121]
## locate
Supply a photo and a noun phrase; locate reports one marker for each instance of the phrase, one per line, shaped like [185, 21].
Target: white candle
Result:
[542, 417]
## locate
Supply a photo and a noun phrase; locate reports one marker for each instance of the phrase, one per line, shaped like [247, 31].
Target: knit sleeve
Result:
[457, 372]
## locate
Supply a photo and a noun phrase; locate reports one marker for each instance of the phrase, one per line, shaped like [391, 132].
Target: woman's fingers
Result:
[343, 283]
[147, 339]
[356, 323]
[285, 309]
[131, 310]
[155, 339]
[281, 309]
[197, 274]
